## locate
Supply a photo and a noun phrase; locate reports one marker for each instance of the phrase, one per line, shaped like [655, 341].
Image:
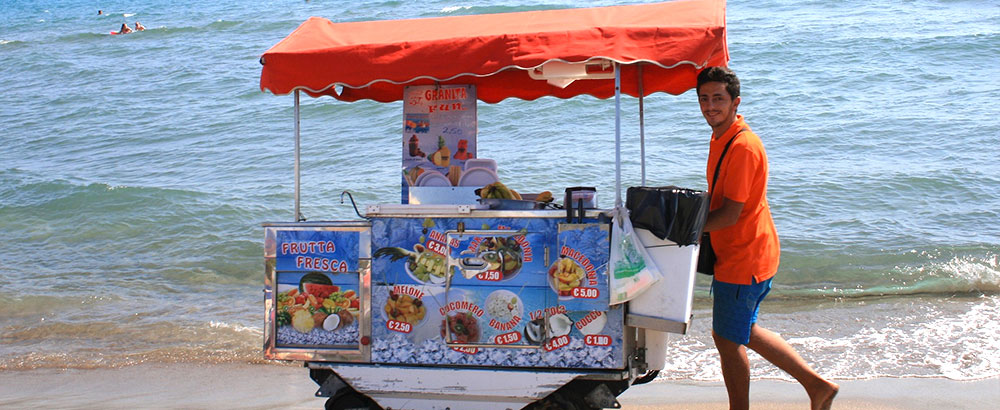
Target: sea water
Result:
[136, 169]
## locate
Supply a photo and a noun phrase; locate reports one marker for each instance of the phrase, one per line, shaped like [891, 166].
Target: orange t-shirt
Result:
[749, 248]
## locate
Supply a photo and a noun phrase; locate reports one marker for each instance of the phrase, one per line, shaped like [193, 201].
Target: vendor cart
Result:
[462, 294]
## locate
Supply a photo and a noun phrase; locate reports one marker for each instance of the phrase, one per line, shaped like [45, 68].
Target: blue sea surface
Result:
[136, 171]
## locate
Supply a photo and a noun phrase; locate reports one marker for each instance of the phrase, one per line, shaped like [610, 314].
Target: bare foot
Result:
[822, 399]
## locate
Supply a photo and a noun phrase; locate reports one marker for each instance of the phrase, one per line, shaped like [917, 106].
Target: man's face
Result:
[717, 106]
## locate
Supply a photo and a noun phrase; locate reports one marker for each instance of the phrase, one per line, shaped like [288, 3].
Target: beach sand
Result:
[289, 387]
[873, 394]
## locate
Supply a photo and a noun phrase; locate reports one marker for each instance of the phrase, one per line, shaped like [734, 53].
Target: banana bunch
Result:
[545, 196]
[498, 190]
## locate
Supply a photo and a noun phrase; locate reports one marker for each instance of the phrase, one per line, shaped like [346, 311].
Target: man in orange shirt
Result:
[746, 245]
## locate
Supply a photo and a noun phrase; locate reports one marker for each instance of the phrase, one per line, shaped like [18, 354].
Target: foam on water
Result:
[953, 337]
[957, 341]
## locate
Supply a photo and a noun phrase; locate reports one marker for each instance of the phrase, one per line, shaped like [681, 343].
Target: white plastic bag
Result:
[632, 268]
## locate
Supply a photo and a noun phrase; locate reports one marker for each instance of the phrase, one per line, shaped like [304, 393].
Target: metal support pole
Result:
[298, 215]
[618, 135]
[642, 129]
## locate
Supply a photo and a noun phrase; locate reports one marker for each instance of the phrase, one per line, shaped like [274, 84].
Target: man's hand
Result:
[725, 216]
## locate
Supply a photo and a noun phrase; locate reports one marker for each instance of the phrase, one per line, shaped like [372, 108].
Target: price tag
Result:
[437, 247]
[507, 338]
[597, 340]
[586, 293]
[466, 350]
[490, 276]
[556, 343]
[397, 326]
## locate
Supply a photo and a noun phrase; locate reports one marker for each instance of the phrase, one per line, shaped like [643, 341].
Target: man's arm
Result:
[725, 216]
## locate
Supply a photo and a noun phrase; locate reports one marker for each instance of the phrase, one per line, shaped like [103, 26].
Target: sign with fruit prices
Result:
[317, 301]
[439, 134]
[580, 273]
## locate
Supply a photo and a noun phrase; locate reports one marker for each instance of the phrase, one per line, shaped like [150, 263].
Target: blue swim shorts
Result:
[735, 307]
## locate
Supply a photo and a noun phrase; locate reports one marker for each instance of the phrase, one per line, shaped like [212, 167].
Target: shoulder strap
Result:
[718, 165]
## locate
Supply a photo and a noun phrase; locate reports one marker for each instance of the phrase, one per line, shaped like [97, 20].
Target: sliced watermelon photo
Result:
[313, 277]
[319, 290]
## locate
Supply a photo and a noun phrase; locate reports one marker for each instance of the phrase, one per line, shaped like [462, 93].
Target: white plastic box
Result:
[666, 305]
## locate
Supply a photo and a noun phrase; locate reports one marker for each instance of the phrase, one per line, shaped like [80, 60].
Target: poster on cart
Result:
[439, 134]
[512, 313]
[317, 283]
[483, 315]
[579, 276]
[490, 326]
[313, 250]
[416, 250]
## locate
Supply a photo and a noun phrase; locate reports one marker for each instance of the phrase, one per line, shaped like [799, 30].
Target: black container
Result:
[669, 212]
[574, 194]
[579, 198]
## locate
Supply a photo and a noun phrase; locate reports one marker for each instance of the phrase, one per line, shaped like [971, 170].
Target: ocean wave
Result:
[82, 37]
[12, 44]
[255, 331]
[170, 30]
[958, 346]
[452, 9]
[179, 233]
[103, 358]
[44, 332]
[969, 271]
[48, 195]
[955, 338]
[467, 10]
[151, 31]
[42, 303]
[276, 26]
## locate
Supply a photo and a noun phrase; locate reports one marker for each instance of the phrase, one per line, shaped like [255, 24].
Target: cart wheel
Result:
[351, 401]
[564, 403]
[554, 401]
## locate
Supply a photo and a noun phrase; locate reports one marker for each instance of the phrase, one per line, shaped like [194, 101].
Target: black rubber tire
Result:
[554, 401]
[351, 401]
[563, 403]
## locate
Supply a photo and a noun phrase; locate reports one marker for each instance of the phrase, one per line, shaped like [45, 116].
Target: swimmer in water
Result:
[139, 27]
[124, 30]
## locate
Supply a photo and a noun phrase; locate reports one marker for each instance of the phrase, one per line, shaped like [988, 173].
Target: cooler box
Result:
[668, 221]
[666, 305]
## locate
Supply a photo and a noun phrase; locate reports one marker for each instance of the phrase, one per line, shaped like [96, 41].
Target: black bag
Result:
[669, 212]
[706, 255]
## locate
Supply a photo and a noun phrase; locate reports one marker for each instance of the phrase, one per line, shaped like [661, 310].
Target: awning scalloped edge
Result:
[334, 84]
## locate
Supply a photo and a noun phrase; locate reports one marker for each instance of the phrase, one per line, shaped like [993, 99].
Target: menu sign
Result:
[539, 298]
[580, 274]
[317, 301]
[439, 134]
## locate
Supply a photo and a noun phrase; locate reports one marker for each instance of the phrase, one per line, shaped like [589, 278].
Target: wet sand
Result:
[873, 394]
[289, 387]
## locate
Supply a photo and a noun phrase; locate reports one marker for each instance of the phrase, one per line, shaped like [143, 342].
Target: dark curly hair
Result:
[722, 75]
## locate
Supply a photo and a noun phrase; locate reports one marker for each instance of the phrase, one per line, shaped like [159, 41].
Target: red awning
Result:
[374, 60]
